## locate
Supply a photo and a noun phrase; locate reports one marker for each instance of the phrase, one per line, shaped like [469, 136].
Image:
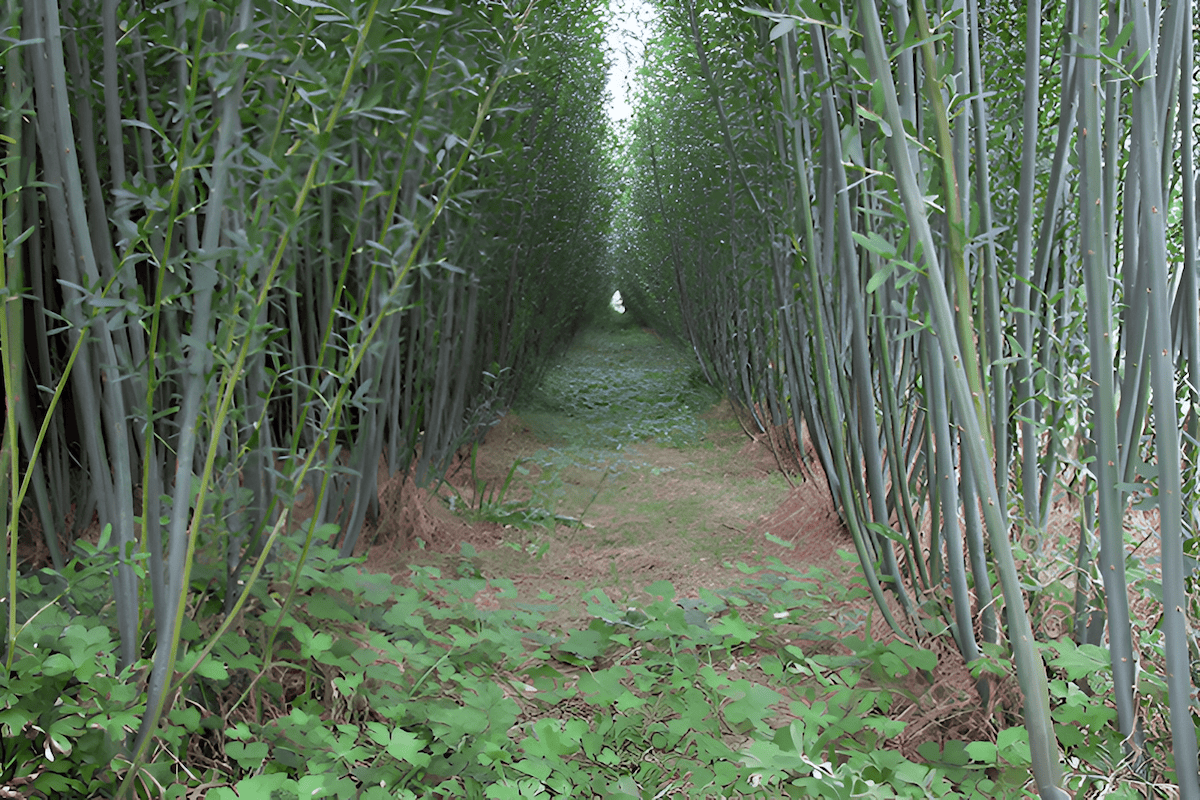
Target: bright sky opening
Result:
[628, 23]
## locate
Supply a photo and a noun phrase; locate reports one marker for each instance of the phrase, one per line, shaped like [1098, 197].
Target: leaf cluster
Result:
[411, 690]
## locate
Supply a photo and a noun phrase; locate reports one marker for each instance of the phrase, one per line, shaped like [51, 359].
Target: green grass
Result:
[633, 442]
[619, 386]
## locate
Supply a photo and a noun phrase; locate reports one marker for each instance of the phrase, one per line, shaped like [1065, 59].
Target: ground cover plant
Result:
[621, 443]
[620, 384]
[457, 681]
[368, 689]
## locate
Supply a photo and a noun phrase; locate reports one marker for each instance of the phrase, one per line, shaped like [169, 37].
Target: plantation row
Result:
[260, 255]
[956, 246]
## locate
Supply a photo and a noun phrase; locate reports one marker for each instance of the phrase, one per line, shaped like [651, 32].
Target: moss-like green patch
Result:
[614, 387]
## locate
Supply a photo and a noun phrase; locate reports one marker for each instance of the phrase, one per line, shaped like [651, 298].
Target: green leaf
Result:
[57, 664]
[782, 28]
[319, 643]
[886, 531]
[604, 686]
[881, 276]
[1081, 661]
[866, 113]
[875, 243]
[186, 717]
[248, 755]
[1013, 746]
[587, 645]
[983, 752]
[733, 627]
[407, 747]
[554, 739]
[212, 668]
[271, 785]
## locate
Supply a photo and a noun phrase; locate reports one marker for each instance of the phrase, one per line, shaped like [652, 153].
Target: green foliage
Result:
[262, 250]
[305, 241]
[411, 690]
[65, 704]
[494, 504]
[618, 387]
[923, 234]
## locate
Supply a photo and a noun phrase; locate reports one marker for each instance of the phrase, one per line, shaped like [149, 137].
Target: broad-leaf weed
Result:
[397, 690]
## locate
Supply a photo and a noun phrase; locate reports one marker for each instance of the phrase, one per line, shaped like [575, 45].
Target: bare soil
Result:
[622, 468]
[652, 512]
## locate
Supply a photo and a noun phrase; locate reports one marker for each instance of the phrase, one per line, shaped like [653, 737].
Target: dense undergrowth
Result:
[306, 237]
[369, 688]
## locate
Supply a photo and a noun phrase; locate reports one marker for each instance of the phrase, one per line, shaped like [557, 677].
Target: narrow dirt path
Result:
[622, 472]
[621, 469]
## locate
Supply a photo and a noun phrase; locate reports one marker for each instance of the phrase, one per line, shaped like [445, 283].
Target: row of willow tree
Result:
[261, 253]
[957, 246]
